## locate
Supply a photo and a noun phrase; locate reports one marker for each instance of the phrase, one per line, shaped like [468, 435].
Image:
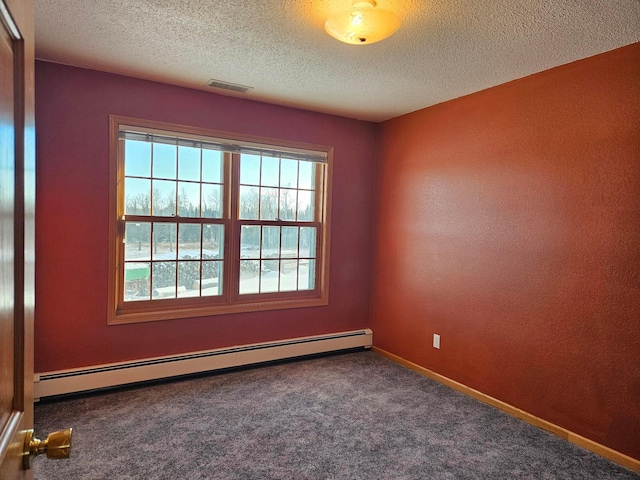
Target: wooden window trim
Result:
[230, 302]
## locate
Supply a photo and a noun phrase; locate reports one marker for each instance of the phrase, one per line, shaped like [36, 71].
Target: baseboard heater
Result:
[78, 380]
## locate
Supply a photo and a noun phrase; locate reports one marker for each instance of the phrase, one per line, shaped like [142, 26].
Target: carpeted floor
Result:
[351, 416]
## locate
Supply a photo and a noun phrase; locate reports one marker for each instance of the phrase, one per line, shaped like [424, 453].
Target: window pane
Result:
[289, 242]
[250, 242]
[211, 283]
[211, 200]
[137, 158]
[249, 279]
[136, 282]
[307, 178]
[269, 276]
[189, 163]
[164, 198]
[164, 241]
[164, 280]
[306, 274]
[306, 206]
[268, 203]
[188, 279]
[137, 241]
[178, 250]
[137, 196]
[249, 197]
[213, 242]
[189, 199]
[188, 241]
[288, 201]
[164, 161]
[249, 169]
[270, 172]
[211, 166]
[288, 275]
[289, 173]
[307, 242]
[270, 242]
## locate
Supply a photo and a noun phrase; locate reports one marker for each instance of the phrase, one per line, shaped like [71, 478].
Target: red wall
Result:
[72, 109]
[508, 222]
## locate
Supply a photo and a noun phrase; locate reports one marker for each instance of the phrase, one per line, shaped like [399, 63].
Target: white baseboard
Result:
[115, 374]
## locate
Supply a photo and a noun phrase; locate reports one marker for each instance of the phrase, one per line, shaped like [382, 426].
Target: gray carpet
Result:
[350, 416]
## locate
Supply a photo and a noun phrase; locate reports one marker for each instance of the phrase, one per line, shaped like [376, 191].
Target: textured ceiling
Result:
[444, 48]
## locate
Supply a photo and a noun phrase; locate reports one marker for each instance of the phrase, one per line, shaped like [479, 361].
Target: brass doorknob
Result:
[56, 446]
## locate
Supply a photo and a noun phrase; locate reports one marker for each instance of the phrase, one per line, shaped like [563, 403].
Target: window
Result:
[206, 223]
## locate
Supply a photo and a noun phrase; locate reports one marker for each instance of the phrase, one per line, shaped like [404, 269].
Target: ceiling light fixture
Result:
[363, 24]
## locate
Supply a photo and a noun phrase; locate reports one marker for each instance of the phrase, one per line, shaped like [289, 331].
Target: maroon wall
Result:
[72, 111]
[508, 222]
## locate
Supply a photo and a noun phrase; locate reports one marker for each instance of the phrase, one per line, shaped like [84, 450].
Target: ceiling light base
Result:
[363, 24]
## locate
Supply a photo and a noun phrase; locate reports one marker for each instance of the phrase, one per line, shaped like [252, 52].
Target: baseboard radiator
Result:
[78, 380]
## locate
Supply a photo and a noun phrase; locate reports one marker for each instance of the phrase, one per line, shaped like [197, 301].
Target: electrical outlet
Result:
[436, 340]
